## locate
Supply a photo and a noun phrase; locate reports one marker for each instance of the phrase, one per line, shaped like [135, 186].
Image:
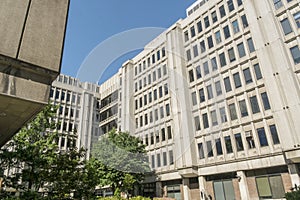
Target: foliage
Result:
[118, 198]
[294, 195]
[121, 161]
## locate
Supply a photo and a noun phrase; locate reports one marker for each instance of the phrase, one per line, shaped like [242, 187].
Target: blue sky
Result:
[92, 22]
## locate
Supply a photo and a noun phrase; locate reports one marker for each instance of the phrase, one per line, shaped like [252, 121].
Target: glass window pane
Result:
[243, 108]
[226, 32]
[210, 152]
[195, 50]
[198, 72]
[199, 26]
[227, 84]
[197, 123]
[239, 142]
[210, 42]
[235, 26]
[241, 50]
[219, 190]
[250, 45]
[209, 92]
[200, 151]
[231, 55]
[247, 76]
[205, 120]
[237, 80]
[228, 144]
[244, 20]
[232, 111]
[262, 137]
[214, 118]
[257, 72]
[194, 98]
[228, 188]
[297, 19]
[219, 146]
[222, 11]
[254, 105]
[274, 134]
[218, 37]
[223, 115]
[286, 26]
[265, 100]
[214, 64]
[206, 68]
[295, 54]
[218, 88]
[276, 187]
[201, 95]
[263, 187]
[222, 59]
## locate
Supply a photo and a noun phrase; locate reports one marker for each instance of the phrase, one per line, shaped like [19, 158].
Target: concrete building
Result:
[32, 35]
[216, 100]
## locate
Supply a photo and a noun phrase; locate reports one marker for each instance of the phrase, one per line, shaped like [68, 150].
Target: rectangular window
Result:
[247, 76]
[227, 84]
[277, 4]
[188, 55]
[158, 73]
[239, 142]
[205, 67]
[222, 59]
[243, 108]
[164, 158]
[210, 42]
[241, 49]
[152, 161]
[286, 26]
[197, 123]
[206, 21]
[214, 63]
[171, 158]
[157, 55]
[202, 46]
[160, 92]
[244, 21]
[205, 121]
[146, 140]
[166, 89]
[167, 109]
[210, 152]
[186, 36]
[191, 76]
[163, 52]
[214, 16]
[155, 94]
[231, 55]
[162, 112]
[237, 80]
[201, 95]
[228, 144]
[153, 58]
[222, 11]
[151, 116]
[145, 99]
[158, 160]
[235, 26]
[201, 150]
[250, 45]
[274, 134]
[198, 72]
[250, 140]
[150, 97]
[257, 72]
[239, 2]
[219, 146]
[169, 132]
[232, 111]
[262, 137]
[156, 114]
[295, 54]
[194, 98]
[265, 101]
[199, 26]
[297, 19]
[154, 76]
[146, 119]
[193, 33]
[223, 115]
[270, 187]
[230, 5]
[209, 92]
[218, 88]
[151, 138]
[214, 118]
[195, 50]
[224, 190]
[165, 70]
[226, 32]
[218, 37]
[254, 105]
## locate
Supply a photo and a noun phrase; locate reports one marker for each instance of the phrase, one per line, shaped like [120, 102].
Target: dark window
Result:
[295, 54]
[254, 105]
[274, 134]
[239, 2]
[228, 144]
[223, 115]
[191, 75]
[206, 21]
[265, 101]
[210, 42]
[214, 63]
[202, 46]
[226, 32]
[153, 58]
[206, 68]
[250, 140]
[195, 50]
[188, 55]
[219, 146]
[244, 21]
[193, 33]
[158, 160]
[194, 98]
[230, 5]
[257, 72]
[247, 75]
[164, 158]
[222, 59]
[278, 4]
[239, 142]
[198, 72]
[250, 45]
[153, 161]
[209, 92]
[150, 97]
[169, 132]
[227, 84]
[199, 26]
[201, 95]
[171, 159]
[262, 137]
[286, 26]
[231, 54]
[232, 111]
[157, 55]
[243, 108]
[186, 38]
[163, 52]
[214, 16]
[201, 151]
[168, 109]
[222, 11]
[241, 50]
[166, 89]
[205, 121]
[197, 123]
[210, 152]
[237, 80]
[218, 88]
[297, 19]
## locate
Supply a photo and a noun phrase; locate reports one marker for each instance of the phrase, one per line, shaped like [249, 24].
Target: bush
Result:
[294, 195]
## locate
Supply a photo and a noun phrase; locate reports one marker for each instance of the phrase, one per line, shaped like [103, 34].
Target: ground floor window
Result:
[223, 190]
[270, 187]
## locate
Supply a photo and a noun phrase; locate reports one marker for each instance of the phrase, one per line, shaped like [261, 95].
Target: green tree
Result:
[122, 161]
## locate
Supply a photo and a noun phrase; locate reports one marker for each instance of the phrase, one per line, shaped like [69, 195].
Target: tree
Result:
[122, 161]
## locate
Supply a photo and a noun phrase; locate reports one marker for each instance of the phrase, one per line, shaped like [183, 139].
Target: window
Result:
[262, 137]
[257, 72]
[169, 132]
[218, 37]
[164, 158]
[210, 152]
[286, 26]
[243, 108]
[218, 88]
[222, 11]
[227, 84]
[150, 97]
[235, 26]
[205, 120]
[165, 70]
[210, 42]
[239, 142]
[201, 95]
[157, 55]
[239, 2]
[270, 187]
[222, 59]
[278, 4]
[163, 52]
[186, 36]
[274, 134]
[232, 111]
[193, 33]
[199, 26]
[237, 80]
[214, 16]
[200, 150]
[250, 45]
[254, 105]
[231, 54]
[219, 146]
[188, 55]
[158, 73]
[154, 76]
[241, 49]
[151, 116]
[214, 63]
[223, 114]
[191, 75]
[297, 19]
[247, 76]
[149, 79]
[171, 158]
[162, 112]
[205, 67]
[228, 144]
[226, 32]
[145, 99]
[295, 54]
[202, 46]
[141, 121]
[168, 109]
[194, 98]
[230, 5]
[197, 123]
[214, 119]
[155, 94]
[158, 160]
[265, 101]
[198, 72]
[156, 114]
[153, 58]
[250, 140]
[146, 119]
[146, 140]
[223, 189]
[206, 22]
[157, 137]
[195, 50]
[209, 92]
[166, 89]
[244, 21]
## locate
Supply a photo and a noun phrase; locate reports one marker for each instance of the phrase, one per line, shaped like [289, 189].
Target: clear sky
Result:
[93, 21]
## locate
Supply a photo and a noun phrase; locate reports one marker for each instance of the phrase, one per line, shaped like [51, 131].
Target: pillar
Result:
[186, 190]
[294, 174]
[159, 189]
[243, 185]
[202, 183]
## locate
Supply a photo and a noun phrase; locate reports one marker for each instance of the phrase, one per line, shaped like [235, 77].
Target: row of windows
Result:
[164, 161]
[208, 93]
[211, 40]
[150, 60]
[67, 126]
[160, 136]
[68, 112]
[238, 141]
[148, 80]
[286, 25]
[207, 21]
[153, 116]
[64, 95]
[243, 106]
[144, 100]
[278, 3]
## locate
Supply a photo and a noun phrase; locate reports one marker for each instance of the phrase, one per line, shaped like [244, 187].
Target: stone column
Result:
[294, 174]
[202, 183]
[243, 185]
[158, 189]
[186, 190]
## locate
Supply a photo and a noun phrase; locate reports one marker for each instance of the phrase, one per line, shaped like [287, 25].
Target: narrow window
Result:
[214, 16]
[243, 108]
[244, 21]
[222, 11]
[222, 59]
[195, 50]
[254, 105]
[218, 88]
[250, 45]
[194, 98]
[262, 137]
[218, 37]
[227, 84]
[223, 114]
[210, 42]
[199, 26]
[202, 46]
[228, 144]
[232, 110]
[205, 121]
[206, 21]
[219, 146]
[239, 142]
[214, 119]
[274, 134]
[200, 150]
[230, 5]
[210, 152]
[237, 80]
[297, 19]
[206, 68]
[265, 101]
[193, 33]
[235, 26]
[201, 95]
[241, 49]
[188, 55]
[247, 76]
[214, 63]
[197, 123]
[257, 72]
[226, 32]
[198, 72]
[191, 75]
[231, 55]
[209, 92]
